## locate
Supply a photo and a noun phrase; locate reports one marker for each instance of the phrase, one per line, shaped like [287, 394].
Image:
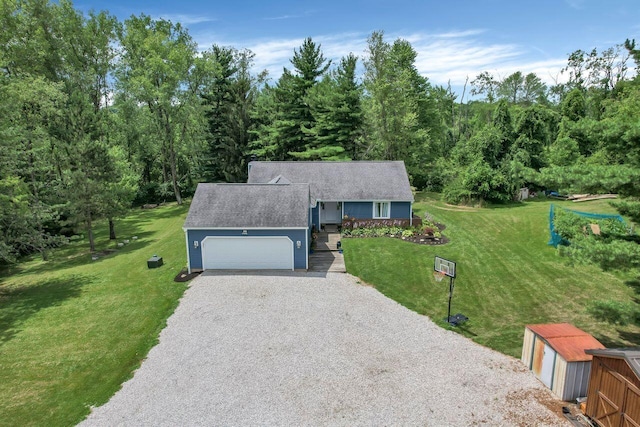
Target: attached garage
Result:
[247, 253]
[248, 227]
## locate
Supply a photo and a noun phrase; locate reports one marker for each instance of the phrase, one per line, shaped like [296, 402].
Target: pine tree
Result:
[337, 113]
[289, 129]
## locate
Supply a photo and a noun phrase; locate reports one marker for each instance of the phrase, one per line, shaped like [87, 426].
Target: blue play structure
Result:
[556, 239]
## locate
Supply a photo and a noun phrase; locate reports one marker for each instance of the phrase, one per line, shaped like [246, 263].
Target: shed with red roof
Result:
[556, 355]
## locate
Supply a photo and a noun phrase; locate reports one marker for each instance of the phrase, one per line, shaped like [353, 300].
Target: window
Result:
[381, 209]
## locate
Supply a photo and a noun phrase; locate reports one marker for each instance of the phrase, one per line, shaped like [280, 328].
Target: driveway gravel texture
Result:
[300, 349]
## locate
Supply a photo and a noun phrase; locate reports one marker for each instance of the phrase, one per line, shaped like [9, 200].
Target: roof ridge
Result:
[346, 162]
[252, 183]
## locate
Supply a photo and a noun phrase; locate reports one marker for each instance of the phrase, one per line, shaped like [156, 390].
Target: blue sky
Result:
[454, 39]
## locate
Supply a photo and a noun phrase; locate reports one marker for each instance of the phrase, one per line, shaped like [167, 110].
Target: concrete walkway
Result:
[326, 256]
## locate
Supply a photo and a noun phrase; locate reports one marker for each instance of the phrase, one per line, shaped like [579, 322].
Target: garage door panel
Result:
[240, 253]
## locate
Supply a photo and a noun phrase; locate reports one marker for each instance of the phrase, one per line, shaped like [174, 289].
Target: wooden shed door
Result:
[631, 407]
[611, 390]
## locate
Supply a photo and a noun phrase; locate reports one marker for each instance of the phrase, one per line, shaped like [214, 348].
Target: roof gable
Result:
[249, 206]
[340, 181]
[631, 355]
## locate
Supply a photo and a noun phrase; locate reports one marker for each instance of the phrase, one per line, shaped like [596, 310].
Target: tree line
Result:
[98, 115]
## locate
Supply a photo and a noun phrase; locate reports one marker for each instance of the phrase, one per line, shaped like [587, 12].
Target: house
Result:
[267, 223]
[557, 354]
[613, 397]
[362, 189]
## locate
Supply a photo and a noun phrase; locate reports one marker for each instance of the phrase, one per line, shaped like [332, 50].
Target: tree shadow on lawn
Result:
[634, 284]
[19, 303]
[162, 212]
[625, 337]
[632, 337]
[79, 256]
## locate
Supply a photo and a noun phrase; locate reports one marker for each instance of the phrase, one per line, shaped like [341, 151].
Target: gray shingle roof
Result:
[249, 205]
[341, 181]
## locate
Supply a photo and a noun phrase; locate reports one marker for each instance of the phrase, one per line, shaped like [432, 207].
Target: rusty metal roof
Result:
[567, 340]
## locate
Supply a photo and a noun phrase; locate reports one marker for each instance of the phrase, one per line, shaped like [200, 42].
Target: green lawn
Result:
[72, 329]
[507, 274]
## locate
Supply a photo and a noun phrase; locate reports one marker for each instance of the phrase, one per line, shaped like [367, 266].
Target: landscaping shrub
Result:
[407, 233]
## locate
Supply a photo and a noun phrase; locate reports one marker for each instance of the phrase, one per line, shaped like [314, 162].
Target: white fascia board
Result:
[245, 228]
[371, 200]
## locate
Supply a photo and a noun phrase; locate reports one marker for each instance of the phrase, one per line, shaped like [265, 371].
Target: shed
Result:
[556, 355]
[613, 397]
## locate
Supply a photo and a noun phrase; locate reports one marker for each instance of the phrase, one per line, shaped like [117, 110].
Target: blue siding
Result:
[400, 209]
[195, 254]
[364, 210]
[361, 210]
[315, 216]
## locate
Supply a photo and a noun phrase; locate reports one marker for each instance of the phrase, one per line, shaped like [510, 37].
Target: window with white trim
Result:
[381, 210]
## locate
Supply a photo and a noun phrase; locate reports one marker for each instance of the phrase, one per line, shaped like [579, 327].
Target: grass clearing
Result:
[507, 274]
[72, 329]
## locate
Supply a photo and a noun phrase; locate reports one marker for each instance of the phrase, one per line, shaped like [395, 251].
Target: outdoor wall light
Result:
[298, 244]
[244, 232]
[195, 244]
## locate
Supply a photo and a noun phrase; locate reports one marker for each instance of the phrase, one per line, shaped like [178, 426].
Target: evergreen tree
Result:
[337, 113]
[218, 101]
[289, 130]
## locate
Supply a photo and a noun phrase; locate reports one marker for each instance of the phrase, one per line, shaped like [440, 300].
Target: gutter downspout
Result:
[410, 214]
[186, 239]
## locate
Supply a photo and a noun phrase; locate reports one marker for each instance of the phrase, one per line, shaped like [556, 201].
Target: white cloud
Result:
[575, 4]
[442, 57]
[294, 16]
[186, 19]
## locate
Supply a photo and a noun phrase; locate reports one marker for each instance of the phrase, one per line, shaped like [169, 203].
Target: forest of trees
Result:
[99, 115]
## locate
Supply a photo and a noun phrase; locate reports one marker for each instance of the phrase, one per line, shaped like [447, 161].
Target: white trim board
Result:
[186, 239]
[245, 228]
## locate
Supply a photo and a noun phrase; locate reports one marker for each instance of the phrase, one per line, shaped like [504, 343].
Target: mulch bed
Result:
[184, 276]
[422, 239]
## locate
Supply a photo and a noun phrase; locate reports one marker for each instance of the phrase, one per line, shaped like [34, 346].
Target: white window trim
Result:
[375, 210]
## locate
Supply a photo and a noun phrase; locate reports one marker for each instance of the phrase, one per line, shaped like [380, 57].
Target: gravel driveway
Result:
[302, 349]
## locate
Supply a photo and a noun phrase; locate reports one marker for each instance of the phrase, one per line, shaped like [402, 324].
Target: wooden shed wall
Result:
[613, 397]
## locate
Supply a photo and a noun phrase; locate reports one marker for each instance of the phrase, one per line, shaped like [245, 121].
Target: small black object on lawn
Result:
[154, 262]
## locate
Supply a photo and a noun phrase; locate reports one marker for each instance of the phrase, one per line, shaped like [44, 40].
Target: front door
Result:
[330, 212]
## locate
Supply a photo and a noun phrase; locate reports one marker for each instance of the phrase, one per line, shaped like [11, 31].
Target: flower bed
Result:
[352, 223]
[430, 233]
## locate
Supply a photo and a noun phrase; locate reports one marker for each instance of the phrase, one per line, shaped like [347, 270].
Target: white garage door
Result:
[247, 253]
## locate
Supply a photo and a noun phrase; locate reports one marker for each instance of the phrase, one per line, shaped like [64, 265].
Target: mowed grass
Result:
[72, 330]
[507, 274]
